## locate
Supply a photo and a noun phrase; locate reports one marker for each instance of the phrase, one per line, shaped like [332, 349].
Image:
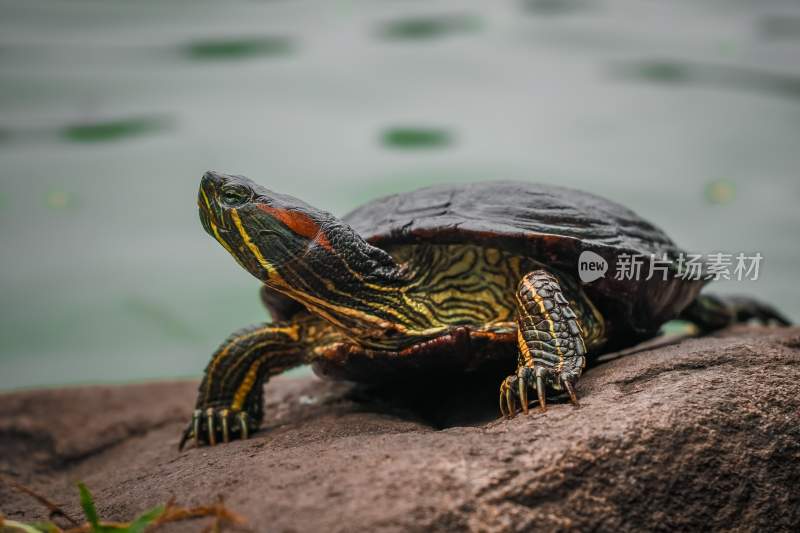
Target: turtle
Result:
[441, 279]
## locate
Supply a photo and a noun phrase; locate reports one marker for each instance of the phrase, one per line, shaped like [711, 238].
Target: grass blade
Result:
[87, 503]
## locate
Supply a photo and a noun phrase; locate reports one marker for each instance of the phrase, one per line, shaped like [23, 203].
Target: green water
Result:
[686, 111]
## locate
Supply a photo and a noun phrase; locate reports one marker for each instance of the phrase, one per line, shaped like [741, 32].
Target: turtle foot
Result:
[218, 424]
[514, 388]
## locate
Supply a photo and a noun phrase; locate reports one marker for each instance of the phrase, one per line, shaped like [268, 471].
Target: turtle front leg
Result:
[230, 398]
[552, 349]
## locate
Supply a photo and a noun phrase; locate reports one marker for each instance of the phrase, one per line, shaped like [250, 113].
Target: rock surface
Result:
[703, 434]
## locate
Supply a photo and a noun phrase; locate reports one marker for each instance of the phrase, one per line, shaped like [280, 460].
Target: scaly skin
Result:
[230, 398]
[552, 343]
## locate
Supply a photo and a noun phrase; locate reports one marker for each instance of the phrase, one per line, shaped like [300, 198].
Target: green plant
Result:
[154, 517]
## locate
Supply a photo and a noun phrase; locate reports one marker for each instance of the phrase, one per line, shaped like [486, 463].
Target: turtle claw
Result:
[212, 432]
[512, 408]
[507, 391]
[515, 387]
[243, 425]
[191, 430]
[573, 398]
[196, 426]
[523, 395]
[540, 391]
[214, 425]
[225, 434]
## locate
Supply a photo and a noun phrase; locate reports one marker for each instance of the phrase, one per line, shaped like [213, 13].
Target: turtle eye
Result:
[235, 195]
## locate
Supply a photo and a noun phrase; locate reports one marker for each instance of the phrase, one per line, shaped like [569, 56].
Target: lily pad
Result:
[716, 75]
[553, 7]
[429, 27]
[237, 48]
[112, 130]
[413, 138]
[662, 71]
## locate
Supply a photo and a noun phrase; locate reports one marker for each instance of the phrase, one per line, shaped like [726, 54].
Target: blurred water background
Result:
[687, 111]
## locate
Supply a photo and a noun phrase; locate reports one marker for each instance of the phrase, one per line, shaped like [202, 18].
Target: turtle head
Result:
[306, 253]
[265, 231]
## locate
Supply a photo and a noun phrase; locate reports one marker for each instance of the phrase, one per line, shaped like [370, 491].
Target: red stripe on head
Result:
[299, 223]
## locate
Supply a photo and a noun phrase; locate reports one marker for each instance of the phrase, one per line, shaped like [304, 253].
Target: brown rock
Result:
[704, 434]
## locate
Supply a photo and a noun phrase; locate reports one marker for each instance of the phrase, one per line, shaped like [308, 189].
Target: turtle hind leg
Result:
[711, 313]
[552, 348]
[230, 398]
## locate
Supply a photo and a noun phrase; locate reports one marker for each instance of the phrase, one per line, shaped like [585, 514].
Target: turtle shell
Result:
[553, 225]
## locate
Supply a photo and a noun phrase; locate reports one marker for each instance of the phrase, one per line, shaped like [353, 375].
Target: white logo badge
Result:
[591, 267]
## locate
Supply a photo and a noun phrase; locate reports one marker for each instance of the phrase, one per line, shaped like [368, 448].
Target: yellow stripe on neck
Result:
[253, 248]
